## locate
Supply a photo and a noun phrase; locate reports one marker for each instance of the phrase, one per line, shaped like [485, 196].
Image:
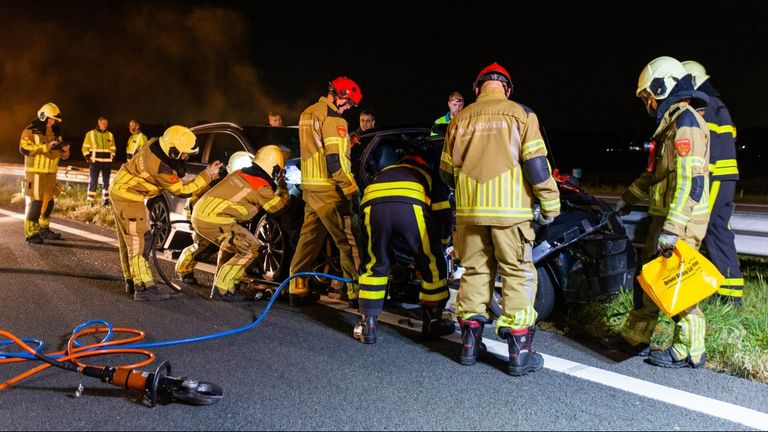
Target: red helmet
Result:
[495, 72]
[346, 88]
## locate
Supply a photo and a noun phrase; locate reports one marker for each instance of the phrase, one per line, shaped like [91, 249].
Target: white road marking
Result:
[713, 407]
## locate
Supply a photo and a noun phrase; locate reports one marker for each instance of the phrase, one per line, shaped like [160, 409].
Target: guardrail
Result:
[750, 227]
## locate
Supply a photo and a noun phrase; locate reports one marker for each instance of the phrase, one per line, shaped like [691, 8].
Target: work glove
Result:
[622, 208]
[542, 220]
[213, 170]
[666, 243]
[282, 186]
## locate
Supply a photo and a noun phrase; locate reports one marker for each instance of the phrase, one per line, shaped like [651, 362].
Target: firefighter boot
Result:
[433, 324]
[149, 294]
[365, 330]
[669, 359]
[522, 359]
[48, 234]
[129, 288]
[300, 295]
[35, 238]
[472, 340]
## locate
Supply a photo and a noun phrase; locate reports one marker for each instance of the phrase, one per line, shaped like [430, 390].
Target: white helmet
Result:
[659, 77]
[239, 160]
[697, 70]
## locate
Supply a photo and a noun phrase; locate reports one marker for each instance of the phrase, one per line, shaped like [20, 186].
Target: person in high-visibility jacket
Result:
[187, 261]
[495, 158]
[405, 202]
[42, 148]
[676, 187]
[217, 215]
[99, 150]
[723, 175]
[136, 141]
[328, 189]
[157, 166]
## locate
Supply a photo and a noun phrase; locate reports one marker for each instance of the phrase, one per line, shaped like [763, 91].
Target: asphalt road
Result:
[301, 369]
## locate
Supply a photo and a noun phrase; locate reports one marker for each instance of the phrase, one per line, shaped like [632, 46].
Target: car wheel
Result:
[160, 219]
[328, 262]
[545, 296]
[270, 262]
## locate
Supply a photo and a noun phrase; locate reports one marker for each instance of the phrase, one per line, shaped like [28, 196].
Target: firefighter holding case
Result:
[676, 185]
[496, 159]
[157, 166]
[217, 215]
[405, 202]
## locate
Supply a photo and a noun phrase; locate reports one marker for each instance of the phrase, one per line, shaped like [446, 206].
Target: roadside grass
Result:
[737, 340]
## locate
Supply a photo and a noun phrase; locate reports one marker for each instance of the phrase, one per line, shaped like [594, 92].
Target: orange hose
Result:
[73, 353]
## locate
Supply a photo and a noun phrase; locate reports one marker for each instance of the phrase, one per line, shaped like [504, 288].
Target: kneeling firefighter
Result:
[217, 215]
[185, 266]
[157, 166]
[404, 201]
[676, 186]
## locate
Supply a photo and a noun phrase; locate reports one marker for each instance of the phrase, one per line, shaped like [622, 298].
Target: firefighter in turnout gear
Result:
[676, 187]
[99, 150]
[495, 158]
[405, 202]
[136, 141]
[42, 148]
[217, 215]
[157, 166]
[328, 188]
[187, 261]
[723, 175]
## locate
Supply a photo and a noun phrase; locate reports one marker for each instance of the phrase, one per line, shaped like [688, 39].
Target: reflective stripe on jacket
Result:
[99, 145]
[135, 142]
[722, 137]
[34, 146]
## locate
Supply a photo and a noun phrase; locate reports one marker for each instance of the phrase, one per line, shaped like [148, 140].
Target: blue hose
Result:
[253, 324]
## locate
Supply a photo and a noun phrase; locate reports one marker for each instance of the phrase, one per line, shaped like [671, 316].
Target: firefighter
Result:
[676, 186]
[328, 189]
[99, 150]
[723, 175]
[404, 202]
[157, 166]
[185, 265]
[496, 159]
[217, 215]
[136, 141]
[42, 147]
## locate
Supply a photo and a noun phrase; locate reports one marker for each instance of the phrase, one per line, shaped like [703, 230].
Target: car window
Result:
[285, 137]
[224, 144]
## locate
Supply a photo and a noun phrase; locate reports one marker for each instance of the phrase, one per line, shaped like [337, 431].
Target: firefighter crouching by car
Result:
[185, 265]
[217, 215]
[676, 186]
[42, 148]
[496, 159]
[723, 175]
[328, 189]
[157, 166]
[404, 201]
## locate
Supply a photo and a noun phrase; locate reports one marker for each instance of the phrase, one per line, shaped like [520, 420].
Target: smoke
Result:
[158, 64]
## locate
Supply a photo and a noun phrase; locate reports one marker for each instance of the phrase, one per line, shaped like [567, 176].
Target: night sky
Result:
[575, 64]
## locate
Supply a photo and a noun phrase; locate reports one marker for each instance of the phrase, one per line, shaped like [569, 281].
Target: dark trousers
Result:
[719, 240]
[96, 168]
[411, 223]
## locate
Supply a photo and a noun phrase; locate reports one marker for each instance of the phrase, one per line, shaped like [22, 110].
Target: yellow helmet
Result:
[697, 70]
[659, 77]
[239, 160]
[178, 141]
[49, 110]
[270, 159]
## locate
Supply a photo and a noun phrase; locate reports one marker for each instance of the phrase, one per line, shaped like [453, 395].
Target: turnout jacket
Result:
[325, 150]
[722, 136]
[496, 159]
[678, 187]
[150, 172]
[34, 146]
[240, 196]
[99, 145]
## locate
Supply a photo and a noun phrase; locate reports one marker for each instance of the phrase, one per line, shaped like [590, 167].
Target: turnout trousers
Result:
[411, 223]
[690, 325]
[134, 239]
[38, 191]
[719, 240]
[484, 249]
